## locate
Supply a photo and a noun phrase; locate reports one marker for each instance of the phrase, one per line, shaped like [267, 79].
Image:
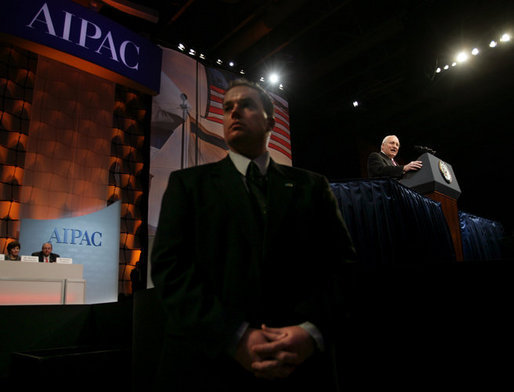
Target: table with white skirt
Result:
[29, 283]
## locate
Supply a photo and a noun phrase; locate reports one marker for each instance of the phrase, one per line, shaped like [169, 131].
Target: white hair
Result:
[387, 137]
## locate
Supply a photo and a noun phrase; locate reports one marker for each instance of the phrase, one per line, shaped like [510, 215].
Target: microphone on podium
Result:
[424, 149]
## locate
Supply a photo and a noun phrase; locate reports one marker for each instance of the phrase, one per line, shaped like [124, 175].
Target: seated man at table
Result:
[382, 164]
[46, 255]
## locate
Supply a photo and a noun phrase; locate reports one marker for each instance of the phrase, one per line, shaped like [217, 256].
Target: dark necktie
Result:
[257, 186]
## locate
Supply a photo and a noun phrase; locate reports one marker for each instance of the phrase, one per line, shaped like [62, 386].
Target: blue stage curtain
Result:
[391, 224]
[481, 238]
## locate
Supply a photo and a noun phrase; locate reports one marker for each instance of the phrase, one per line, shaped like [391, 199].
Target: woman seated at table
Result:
[13, 251]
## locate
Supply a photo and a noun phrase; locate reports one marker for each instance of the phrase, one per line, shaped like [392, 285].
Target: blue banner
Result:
[72, 29]
[92, 240]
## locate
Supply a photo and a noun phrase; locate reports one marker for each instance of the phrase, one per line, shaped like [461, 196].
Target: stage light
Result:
[281, 86]
[219, 62]
[454, 64]
[493, 44]
[273, 78]
[438, 70]
[181, 47]
[231, 64]
[192, 52]
[462, 57]
[355, 104]
[242, 72]
[446, 67]
[261, 79]
[475, 51]
[505, 38]
[202, 56]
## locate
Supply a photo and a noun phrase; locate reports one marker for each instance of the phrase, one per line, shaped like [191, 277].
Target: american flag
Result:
[280, 139]
[215, 104]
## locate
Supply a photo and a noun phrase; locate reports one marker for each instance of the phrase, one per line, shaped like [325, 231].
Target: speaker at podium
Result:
[436, 180]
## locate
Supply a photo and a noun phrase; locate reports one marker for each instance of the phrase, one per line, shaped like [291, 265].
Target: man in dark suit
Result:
[382, 164]
[250, 279]
[46, 255]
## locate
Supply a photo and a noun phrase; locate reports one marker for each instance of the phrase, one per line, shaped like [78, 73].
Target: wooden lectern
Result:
[437, 181]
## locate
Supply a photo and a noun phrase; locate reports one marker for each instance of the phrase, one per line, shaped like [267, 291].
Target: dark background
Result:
[381, 53]
[445, 325]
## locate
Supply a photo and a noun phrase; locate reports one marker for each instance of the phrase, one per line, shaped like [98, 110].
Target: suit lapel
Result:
[237, 202]
[280, 193]
[386, 159]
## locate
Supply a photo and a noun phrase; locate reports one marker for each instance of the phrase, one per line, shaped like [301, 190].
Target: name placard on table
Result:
[30, 259]
[35, 259]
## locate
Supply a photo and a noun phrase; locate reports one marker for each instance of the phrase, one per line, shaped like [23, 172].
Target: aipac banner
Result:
[92, 240]
[75, 30]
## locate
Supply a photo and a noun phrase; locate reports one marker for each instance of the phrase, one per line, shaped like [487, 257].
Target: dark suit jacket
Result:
[380, 165]
[53, 256]
[214, 267]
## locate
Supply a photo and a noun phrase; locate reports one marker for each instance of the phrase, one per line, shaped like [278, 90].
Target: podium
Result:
[437, 181]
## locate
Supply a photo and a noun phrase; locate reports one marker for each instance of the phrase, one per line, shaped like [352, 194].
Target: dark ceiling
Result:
[381, 53]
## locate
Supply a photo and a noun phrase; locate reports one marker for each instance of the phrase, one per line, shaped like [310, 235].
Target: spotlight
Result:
[192, 52]
[219, 62]
[505, 38]
[446, 67]
[231, 63]
[493, 44]
[454, 64]
[355, 104]
[475, 51]
[281, 86]
[462, 57]
[273, 78]
[261, 79]
[242, 72]
[202, 56]
[181, 47]
[438, 70]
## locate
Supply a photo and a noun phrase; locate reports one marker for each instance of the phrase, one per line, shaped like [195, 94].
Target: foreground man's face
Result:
[245, 123]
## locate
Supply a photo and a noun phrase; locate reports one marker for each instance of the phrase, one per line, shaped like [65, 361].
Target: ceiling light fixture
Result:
[462, 57]
[274, 78]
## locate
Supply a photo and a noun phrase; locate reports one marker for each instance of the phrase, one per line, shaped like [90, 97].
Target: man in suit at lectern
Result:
[248, 277]
[382, 164]
[46, 255]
